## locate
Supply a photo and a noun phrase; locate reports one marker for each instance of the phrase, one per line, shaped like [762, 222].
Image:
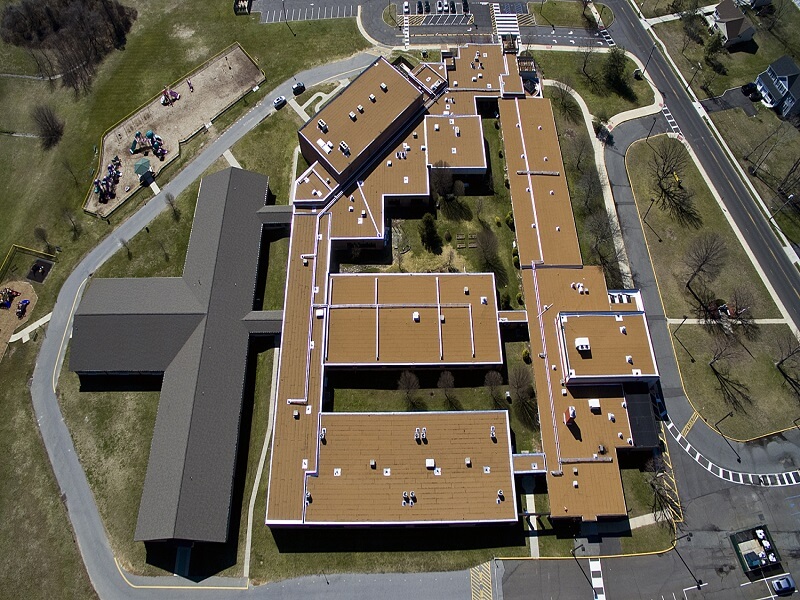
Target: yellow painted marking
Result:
[690, 423]
[175, 587]
[481, 582]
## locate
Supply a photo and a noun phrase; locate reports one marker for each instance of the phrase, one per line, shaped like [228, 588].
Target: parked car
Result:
[749, 88]
[438, 6]
[453, 6]
[427, 6]
[298, 88]
[755, 96]
[465, 6]
[279, 102]
[406, 10]
[784, 586]
[419, 7]
[446, 6]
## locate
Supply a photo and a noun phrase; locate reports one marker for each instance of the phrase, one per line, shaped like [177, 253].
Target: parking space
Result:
[446, 19]
[513, 8]
[272, 11]
[435, 12]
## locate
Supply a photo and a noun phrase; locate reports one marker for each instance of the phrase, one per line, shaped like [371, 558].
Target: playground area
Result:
[17, 301]
[137, 148]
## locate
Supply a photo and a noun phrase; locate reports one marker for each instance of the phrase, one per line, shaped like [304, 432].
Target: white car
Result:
[279, 102]
[439, 6]
[405, 7]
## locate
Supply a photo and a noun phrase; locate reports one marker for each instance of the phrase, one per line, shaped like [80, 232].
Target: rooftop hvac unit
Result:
[322, 433]
[574, 470]
[582, 344]
[630, 441]
[484, 300]
[360, 108]
[612, 417]
[373, 464]
[575, 483]
[308, 497]
[629, 359]
[320, 312]
[436, 127]
[458, 132]
[493, 432]
[417, 433]
[569, 416]
[468, 461]
[296, 414]
[466, 290]
[349, 209]
[430, 463]
[623, 330]
[441, 318]
[415, 316]
[323, 126]
[384, 87]
[363, 214]
[601, 449]
[594, 405]
[405, 496]
[424, 433]
[372, 97]
[352, 116]
[413, 497]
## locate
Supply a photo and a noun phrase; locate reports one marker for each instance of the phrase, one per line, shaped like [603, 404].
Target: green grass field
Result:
[667, 255]
[750, 385]
[560, 13]
[742, 64]
[40, 558]
[650, 538]
[566, 67]
[774, 158]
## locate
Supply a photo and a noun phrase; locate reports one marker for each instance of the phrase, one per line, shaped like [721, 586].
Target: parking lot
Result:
[434, 12]
[272, 11]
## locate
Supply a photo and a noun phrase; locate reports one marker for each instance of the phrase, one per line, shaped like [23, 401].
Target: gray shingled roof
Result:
[195, 329]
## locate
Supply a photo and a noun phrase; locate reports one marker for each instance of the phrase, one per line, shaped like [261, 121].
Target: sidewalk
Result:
[25, 334]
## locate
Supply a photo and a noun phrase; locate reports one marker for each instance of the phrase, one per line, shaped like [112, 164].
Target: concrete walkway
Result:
[25, 334]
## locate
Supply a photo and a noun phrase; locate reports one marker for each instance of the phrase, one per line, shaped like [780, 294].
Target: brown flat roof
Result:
[314, 185]
[539, 193]
[478, 67]
[370, 122]
[456, 140]
[348, 489]
[413, 319]
[619, 345]
[431, 75]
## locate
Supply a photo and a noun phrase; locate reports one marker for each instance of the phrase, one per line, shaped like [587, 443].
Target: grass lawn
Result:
[744, 135]
[750, 386]
[667, 256]
[269, 149]
[654, 8]
[650, 538]
[639, 495]
[602, 102]
[470, 393]
[569, 13]
[744, 63]
[40, 558]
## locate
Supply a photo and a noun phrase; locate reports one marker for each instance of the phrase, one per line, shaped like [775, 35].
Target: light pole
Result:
[648, 60]
[675, 335]
[647, 212]
[698, 582]
[724, 437]
[789, 198]
[696, 71]
[577, 562]
[285, 20]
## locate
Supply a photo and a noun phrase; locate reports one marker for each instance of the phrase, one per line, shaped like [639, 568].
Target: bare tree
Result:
[725, 348]
[603, 232]
[741, 309]
[666, 503]
[787, 349]
[493, 381]
[580, 147]
[40, 233]
[565, 103]
[164, 250]
[75, 224]
[668, 161]
[409, 385]
[49, 127]
[520, 380]
[170, 200]
[70, 169]
[777, 13]
[441, 180]
[446, 383]
[589, 194]
[705, 256]
[459, 189]
[125, 244]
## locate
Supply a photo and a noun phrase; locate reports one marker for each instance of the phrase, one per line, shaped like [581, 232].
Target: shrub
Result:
[447, 236]
[515, 260]
[510, 220]
[505, 301]
[526, 356]
[520, 299]
[498, 221]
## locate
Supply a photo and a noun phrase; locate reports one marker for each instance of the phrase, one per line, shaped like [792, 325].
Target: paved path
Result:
[107, 578]
[25, 334]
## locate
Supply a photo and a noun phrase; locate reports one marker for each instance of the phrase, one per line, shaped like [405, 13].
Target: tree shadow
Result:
[735, 393]
[455, 209]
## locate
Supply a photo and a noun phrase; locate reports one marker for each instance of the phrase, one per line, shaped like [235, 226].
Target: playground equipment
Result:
[7, 297]
[22, 308]
[169, 96]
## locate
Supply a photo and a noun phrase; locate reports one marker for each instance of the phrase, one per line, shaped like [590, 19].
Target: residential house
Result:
[730, 22]
[780, 86]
